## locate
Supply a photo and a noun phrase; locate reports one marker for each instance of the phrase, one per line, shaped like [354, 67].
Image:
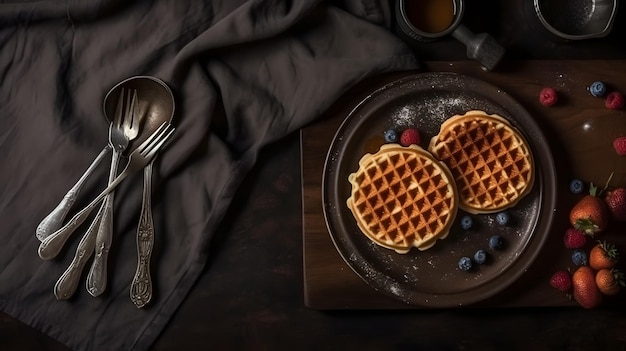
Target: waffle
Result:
[491, 161]
[402, 198]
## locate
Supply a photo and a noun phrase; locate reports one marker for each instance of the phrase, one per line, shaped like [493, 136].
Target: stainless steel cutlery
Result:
[147, 120]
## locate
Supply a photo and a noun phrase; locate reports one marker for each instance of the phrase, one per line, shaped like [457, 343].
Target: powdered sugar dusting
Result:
[432, 276]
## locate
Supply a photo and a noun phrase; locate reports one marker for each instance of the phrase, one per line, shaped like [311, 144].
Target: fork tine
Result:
[117, 119]
[157, 139]
[135, 120]
[156, 145]
[130, 115]
[148, 140]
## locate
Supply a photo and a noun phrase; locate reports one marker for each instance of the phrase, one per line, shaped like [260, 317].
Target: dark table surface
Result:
[251, 293]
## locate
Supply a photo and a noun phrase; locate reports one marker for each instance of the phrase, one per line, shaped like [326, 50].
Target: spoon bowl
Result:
[155, 105]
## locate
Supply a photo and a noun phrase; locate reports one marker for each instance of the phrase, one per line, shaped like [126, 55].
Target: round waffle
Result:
[402, 197]
[491, 161]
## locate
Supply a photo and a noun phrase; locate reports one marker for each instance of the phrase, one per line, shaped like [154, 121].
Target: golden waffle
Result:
[490, 160]
[402, 197]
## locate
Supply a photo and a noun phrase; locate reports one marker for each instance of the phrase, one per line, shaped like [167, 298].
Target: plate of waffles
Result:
[395, 213]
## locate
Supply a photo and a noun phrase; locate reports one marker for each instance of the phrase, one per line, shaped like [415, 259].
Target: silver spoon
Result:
[146, 87]
[141, 286]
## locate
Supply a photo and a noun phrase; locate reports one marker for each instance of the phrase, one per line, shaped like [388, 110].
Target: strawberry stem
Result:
[586, 226]
[593, 190]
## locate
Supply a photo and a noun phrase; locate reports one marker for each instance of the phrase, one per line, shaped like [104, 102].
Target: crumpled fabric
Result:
[244, 74]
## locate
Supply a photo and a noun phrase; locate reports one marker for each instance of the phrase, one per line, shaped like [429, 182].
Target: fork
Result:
[68, 282]
[141, 286]
[127, 131]
[139, 158]
[54, 219]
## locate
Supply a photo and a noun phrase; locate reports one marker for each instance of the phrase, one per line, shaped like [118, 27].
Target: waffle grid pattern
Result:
[491, 163]
[402, 199]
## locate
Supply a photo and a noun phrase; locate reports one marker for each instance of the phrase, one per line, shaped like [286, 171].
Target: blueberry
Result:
[579, 257]
[576, 186]
[597, 89]
[466, 222]
[503, 218]
[465, 263]
[496, 242]
[480, 256]
[391, 136]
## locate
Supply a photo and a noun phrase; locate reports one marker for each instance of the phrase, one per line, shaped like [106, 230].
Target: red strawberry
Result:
[574, 239]
[548, 97]
[616, 201]
[410, 136]
[614, 101]
[591, 214]
[610, 281]
[603, 255]
[619, 145]
[561, 280]
[584, 286]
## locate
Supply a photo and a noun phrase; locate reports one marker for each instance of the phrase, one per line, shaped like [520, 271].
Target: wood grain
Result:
[580, 130]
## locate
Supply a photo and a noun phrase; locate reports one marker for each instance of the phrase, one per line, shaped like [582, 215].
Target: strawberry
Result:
[591, 214]
[585, 290]
[619, 144]
[574, 238]
[610, 281]
[561, 280]
[616, 202]
[548, 97]
[603, 255]
[410, 136]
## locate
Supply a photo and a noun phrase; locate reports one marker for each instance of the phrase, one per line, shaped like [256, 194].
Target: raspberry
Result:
[619, 145]
[574, 239]
[410, 136]
[597, 89]
[614, 101]
[579, 257]
[576, 186]
[561, 280]
[391, 136]
[548, 97]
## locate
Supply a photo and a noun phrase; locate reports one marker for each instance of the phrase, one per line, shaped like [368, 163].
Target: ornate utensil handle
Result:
[141, 287]
[97, 277]
[52, 245]
[68, 282]
[54, 220]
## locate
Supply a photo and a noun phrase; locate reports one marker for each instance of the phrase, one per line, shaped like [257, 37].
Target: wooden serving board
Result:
[580, 130]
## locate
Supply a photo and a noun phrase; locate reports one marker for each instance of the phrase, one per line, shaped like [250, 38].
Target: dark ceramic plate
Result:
[432, 278]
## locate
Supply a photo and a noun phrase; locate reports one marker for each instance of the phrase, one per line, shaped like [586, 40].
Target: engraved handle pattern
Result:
[141, 287]
[54, 220]
[52, 245]
[68, 282]
[97, 277]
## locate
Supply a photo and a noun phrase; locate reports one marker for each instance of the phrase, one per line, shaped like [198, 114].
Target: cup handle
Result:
[480, 47]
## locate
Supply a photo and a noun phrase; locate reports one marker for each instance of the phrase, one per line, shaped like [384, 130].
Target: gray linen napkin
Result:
[245, 74]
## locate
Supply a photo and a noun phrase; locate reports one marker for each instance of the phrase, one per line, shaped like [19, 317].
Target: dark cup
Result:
[426, 21]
